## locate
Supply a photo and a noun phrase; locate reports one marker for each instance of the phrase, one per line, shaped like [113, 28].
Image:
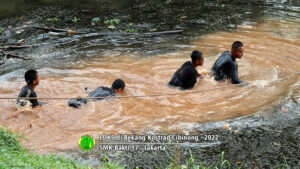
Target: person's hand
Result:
[42, 103]
[244, 84]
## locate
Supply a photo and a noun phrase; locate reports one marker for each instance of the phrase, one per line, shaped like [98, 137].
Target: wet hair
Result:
[236, 45]
[30, 76]
[196, 55]
[118, 84]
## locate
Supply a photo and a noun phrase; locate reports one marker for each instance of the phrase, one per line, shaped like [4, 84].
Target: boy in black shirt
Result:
[226, 66]
[186, 76]
[32, 80]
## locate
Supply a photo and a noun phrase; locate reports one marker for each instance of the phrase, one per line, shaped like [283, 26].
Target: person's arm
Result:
[23, 93]
[34, 102]
[192, 81]
[189, 78]
[234, 73]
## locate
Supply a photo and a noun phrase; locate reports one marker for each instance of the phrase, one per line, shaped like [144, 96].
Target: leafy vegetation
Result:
[1, 30]
[192, 164]
[96, 20]
[108, 165]
[129, 31]
[112, 22]
[14, 156]
[53, 19]
[111, 27]
[75, 19]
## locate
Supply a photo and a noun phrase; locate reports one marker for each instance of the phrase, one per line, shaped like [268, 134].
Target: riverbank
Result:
[263, 140]
[13, 155]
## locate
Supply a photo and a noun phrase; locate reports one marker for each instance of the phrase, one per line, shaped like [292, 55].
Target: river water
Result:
[270, 64]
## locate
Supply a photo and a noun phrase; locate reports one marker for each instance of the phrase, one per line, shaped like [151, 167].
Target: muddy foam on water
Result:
[271, 58]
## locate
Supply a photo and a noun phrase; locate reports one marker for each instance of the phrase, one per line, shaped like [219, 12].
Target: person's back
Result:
[186, 76]
[226, 66]
[117, 87]
[102, 92]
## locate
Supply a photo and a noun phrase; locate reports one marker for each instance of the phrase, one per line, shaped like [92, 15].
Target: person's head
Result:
[32, 78]
[197, 58]
[237, 49]
[118, 86]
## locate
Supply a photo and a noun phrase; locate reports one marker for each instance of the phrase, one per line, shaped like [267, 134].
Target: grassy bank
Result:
[13, 155]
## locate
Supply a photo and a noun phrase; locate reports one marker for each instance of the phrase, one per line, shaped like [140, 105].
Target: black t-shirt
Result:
[185, 77]
[27, 92]
[102, 92]
[99, 92]
[226, 67]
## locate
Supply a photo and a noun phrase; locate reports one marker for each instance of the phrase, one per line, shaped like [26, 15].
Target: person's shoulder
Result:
[187, 63]
[226, 53]
[24, 91]
[227, 56]
[107, 89]
[101, 92]
[100, 88]
[190, 69]
[25, 87]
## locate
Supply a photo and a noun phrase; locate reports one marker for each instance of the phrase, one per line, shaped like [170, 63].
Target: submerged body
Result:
[185, 77]
[99, 92]
[27, 92]
[226, 67]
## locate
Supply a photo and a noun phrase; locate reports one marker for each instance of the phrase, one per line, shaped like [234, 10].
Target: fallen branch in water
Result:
[164, 32]
[151, 33]
[20, 47]
[13, 44]
[15, 47]
[71, 32]
[6, 55]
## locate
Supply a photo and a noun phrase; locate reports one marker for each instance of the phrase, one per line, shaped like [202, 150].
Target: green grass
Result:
[53, 19]
[1, 30]
[192, 164]
[12, 155]
[75, 19]
[129, 31]
[112, 22]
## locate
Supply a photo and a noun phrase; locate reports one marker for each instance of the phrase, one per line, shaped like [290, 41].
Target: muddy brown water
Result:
[270, 62]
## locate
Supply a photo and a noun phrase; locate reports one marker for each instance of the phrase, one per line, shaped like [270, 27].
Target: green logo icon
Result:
[86, 142]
